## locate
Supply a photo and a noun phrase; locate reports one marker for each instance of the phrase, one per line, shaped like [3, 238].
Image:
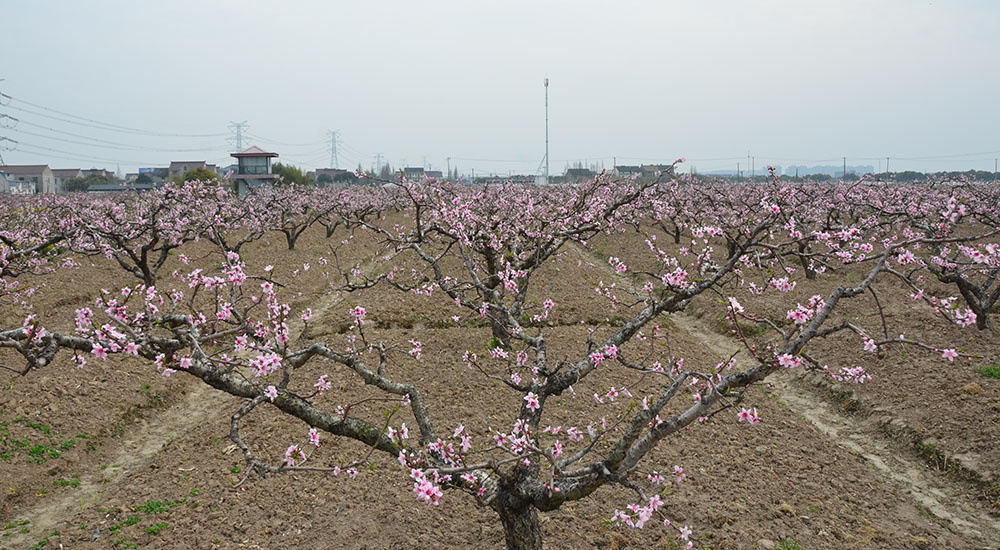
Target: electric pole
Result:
[333, 150]
[844, 176]
[546, 130]
[378, 164]
[449, 167]
[886, 167]
[238, 128]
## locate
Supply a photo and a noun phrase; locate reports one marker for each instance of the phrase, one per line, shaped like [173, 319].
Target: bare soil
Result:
[156, 468]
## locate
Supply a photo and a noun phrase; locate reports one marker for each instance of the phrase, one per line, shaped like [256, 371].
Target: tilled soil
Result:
[156, 468]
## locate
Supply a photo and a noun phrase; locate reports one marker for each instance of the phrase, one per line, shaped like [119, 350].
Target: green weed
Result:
[989, 371]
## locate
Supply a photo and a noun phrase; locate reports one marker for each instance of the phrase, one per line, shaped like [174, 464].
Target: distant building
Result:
[62, 175]
[328, 174]
[253, 169]
[414, 173]
[832, 170]
[574, 175]
[30, 179]
[653, 169]
[100, 172]
[4, 183]
[181, 167]
[436, 174]
[625, 170]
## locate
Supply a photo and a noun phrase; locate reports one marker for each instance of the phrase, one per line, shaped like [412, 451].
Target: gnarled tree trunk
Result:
[520, 523]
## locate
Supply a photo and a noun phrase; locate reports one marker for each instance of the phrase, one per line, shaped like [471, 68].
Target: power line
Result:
[282, 143]
[119, 148]
[21, 146]
[93, 123]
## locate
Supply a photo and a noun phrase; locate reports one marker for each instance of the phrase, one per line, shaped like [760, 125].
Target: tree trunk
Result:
[290, 236]
[810, 272]
[982, 319]
[501, 333]
[520, 527]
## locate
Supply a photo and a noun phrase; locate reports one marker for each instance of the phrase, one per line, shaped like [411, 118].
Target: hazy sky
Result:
[790, 82]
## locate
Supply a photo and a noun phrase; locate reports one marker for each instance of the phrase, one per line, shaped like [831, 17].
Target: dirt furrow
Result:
[140, 445]
[935, 493]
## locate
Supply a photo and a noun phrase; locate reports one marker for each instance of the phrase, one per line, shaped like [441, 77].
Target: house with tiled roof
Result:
[29, 178]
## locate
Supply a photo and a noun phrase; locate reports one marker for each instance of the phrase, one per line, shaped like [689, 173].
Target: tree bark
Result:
[520, 525]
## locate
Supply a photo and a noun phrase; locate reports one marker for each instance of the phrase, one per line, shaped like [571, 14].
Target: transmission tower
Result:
[238, 128]
[333, 150]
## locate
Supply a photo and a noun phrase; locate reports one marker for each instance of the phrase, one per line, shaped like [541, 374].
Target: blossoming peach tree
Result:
[482, 250]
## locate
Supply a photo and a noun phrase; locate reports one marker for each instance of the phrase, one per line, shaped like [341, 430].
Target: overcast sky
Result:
[789, 82]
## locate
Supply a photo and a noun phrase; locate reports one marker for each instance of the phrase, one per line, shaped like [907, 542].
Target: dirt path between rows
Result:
[137, 448]
[134, 451]
[934, 492]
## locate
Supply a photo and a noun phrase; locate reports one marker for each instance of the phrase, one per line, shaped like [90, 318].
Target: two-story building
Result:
[253, 169]
[62, 175]
[414, 173]
[30, 178]
[181, 167]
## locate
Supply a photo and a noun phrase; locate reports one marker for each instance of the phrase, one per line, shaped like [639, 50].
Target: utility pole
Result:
[239, 128]
[3, 138]
[449, 168]
[378, 164]
[994, 169]
[844, 176]
[753, 170]
[333, 150]
[546, 131]
[737, 171]
[886, 167]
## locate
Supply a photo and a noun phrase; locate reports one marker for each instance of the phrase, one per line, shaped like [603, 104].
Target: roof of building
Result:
[177, 164]
[629, 169]
[24, 169]
[63, 172]
[253, 151]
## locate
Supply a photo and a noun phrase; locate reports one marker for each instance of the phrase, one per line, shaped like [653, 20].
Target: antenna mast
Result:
[546, 130]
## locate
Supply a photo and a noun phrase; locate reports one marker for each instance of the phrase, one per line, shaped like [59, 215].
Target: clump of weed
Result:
[989, 371]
